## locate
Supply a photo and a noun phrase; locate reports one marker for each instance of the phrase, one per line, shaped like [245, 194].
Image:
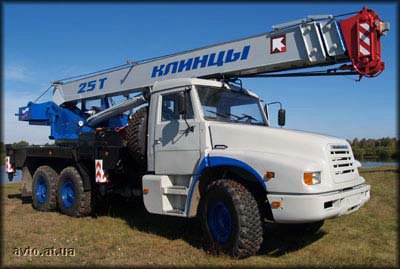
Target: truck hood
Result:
[294, 143]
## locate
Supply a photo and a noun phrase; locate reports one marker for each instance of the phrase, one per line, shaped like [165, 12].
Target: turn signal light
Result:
[146, 191]
[276, 204]
[312, 178]
[308, 178]
[269, 175]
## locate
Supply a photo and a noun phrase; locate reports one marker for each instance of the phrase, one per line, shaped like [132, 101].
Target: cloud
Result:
[17, 73]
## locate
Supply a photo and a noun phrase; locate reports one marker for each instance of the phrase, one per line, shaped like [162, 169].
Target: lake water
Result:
[17, 176]
[378, 164]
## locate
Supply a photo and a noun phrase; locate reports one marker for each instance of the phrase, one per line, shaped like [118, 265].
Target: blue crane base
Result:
[67, 122]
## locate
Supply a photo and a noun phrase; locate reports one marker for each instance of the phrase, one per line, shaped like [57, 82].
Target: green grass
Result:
[128, 236]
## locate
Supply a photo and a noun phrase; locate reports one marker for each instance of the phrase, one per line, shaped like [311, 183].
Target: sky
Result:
[46, 42]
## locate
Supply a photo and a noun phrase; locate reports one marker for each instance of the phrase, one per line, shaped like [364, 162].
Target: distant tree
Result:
[363, 142]
[370, 143]
[355, 142]
[358, 153]
[19, 144]
[381, 149]
[384, 141]
[382, 154]
[391, 143]
[395, 156]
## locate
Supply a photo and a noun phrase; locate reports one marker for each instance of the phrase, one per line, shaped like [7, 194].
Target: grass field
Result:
[128, 236]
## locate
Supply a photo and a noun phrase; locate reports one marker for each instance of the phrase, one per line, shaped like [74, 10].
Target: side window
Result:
[169, 107]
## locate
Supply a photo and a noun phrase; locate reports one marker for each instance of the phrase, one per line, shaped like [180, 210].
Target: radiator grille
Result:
[342, 160]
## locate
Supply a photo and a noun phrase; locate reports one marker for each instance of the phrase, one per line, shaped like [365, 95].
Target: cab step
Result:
[175, 190]
[175, 212]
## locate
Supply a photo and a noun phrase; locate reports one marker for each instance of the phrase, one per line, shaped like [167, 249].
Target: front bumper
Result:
[314, 207]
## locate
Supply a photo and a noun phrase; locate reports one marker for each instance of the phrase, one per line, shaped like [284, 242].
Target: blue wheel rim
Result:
[41, 190]
[68, 193]
[219, 221]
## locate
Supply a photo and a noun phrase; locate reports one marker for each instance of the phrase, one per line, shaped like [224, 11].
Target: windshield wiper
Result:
[224, 115]
[227, 115]
[249, 118]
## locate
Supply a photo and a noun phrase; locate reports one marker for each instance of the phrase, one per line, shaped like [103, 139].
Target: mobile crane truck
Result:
[192, 142]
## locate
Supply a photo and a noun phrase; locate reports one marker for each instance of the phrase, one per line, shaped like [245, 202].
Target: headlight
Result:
[312, 178]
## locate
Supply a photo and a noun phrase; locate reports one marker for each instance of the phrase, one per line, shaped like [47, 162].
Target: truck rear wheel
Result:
[137, 135]
[71, 197]
[231, 219]
[44, 188]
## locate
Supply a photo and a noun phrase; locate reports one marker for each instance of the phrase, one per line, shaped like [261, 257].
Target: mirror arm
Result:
[189, 128]
[272, 103]
[281, 113]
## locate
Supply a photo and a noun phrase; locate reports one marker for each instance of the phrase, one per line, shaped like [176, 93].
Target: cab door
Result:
[176, 140]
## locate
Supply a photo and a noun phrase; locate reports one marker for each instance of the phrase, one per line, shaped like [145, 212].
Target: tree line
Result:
[13, 145]
[381, 149]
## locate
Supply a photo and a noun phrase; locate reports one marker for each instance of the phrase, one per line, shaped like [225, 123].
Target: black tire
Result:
[136, 133]
[301, 228]
[246, 232]
[71, 197]
[44, 189]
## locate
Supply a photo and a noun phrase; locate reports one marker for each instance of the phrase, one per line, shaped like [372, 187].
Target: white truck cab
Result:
[306, 177]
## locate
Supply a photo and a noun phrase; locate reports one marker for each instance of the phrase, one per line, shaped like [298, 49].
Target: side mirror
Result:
[182, 109]
[281, 117]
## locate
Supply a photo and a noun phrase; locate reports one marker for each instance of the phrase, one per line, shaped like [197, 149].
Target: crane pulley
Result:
[313, 42]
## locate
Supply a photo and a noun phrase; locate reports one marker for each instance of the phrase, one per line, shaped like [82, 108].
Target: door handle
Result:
[157, 141]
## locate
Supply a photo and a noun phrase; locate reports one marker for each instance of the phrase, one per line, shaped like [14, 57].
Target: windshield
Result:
[230, 106]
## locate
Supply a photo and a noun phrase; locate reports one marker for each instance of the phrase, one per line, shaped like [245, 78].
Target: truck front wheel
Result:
[44, 189]
[71, 197]
[231, 219]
